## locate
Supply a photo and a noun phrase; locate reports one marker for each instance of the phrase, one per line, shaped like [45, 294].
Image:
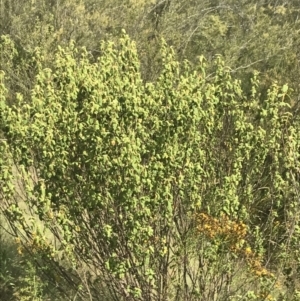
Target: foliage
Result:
[248, 34]
[18, 277]
[174, 190]
[7, 268]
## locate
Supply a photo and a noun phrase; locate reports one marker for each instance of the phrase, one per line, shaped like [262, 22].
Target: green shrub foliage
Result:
[108, 174]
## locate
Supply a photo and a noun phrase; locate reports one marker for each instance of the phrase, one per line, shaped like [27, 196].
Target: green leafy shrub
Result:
[105, 178]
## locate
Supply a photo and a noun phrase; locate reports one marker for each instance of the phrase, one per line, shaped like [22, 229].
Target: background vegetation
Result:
[135, 171]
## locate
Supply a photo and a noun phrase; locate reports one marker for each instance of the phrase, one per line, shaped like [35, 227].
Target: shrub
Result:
[178, 189]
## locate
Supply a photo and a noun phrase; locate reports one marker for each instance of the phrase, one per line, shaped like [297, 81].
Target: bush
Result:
[180, 189]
